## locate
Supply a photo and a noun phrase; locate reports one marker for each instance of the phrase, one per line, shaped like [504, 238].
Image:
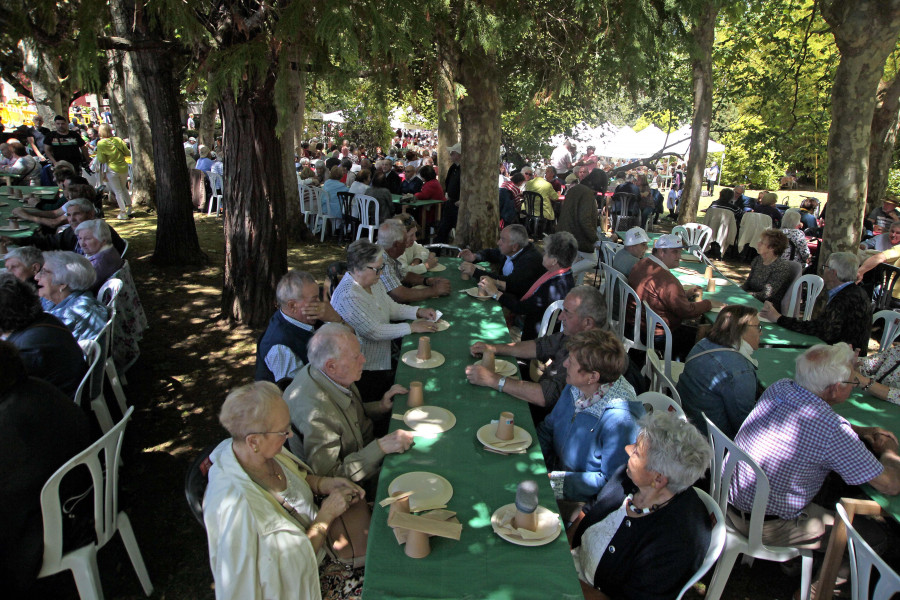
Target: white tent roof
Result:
[624, 142]
[335, 117]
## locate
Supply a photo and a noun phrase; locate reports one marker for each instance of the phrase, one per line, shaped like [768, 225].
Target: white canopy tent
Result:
[624, 142]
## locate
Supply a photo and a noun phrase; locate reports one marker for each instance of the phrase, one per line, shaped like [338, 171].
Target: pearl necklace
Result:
[644, 511]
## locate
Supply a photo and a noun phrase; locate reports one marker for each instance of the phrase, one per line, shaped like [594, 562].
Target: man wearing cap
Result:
[663, 293]
[544, 188]
[578, 216]
[451, 193]
[636, 243]
[880, 219]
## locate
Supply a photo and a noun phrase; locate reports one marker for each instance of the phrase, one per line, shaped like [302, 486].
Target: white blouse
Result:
[877, 365]
[594, 542]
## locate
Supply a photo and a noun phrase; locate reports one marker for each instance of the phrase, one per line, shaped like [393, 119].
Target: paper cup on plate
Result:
[506, 426]
[424, 352]
[487, 360]
[416, 397]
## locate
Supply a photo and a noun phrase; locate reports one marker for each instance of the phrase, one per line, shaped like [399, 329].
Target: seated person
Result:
[522, 263]
[335, 429]
[767, 206]
[40, 430]
[883, 241]
[719, 377]
[798, 248]
[24, 262]
[842, 314]
[412, 183]
[46, 346]
[877, 374]
[64, 285]
[560, 250]
[770, 275]
[281, 349]
[808, 213]
[726, 201]
[256, 547]
[650, 514]
[432, 189]
[77, 211]
[749, 203]
[881, 218]
[331, 203]
[204, 163]
[416, 258]
[52, 217]
[636, 243]
[380, 191]
[584, 437]
[510, 201]
[362, 182]
[544, 188]
[26, 170]
[551, 176]
[95, 239]
[392, 237]
[797, 439]
[307, 176]
[584, 309]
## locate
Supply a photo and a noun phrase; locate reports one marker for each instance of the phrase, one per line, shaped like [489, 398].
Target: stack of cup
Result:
[506, 426]
[424, 352]
[416, 397]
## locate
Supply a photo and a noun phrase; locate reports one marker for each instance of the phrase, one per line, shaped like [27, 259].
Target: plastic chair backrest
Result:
[105, 477]
[694, 234]
[93, 378]
[315, 204]
[657, 401]
[548, 321]
[364, 205]
[796, 270]
[814, 285]
[125, 249]
[891, 327]
[195, 481]
[215, 183]
[614, 293]
[304, 197]
[659, 381]
[652, 320]
[863, 559]
[534, 204]
[716, 540]
[109, 291]
[881, 299]
[631, 337]
[610, 249]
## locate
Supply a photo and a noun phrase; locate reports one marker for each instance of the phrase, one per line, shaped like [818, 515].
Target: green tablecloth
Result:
[480, 564]
[26, 228]
[39, 190]
[861, 408]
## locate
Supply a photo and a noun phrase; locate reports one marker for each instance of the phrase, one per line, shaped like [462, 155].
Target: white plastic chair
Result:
[217, 197]
[654, 401]
[721, 471]
[670, 368]
[315, 205]
[891, 327]
[363, 203]
[716, 540]
[862, 561]
[609, 250]
[631, 337]
[694, 234]
[108, 294]
[92, 384]
[109, 291]
[659, 382]
[107, 517]
[814, 285]
[548, 321]
[614, 295]
[125, 249]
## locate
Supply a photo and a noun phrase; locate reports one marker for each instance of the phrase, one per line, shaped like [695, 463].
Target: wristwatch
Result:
[496, 295]
[500, 384]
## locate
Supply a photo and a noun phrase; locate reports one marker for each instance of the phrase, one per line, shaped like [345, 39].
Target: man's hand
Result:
[321, 311]
[768, 312]
[387, 401]
[478, 375]
[432, 261]
[478, 348]
[488, 285]
[439, 286]
[397, 442]
[427, 313]
[467, 255]
[880, 440]
[467, 268]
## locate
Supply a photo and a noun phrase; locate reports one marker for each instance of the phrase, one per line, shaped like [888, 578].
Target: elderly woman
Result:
[770, 275]
[95, 240]
[432, 189]
[45, 344]
[26, 170]
[648, 531]
[24, 262]
[331, 203]
[363, 302]
[798, 249]
[560, 250]
[362, 181]
[308, 176]
[416, 258]
[766, 206]
[584, 437]
[379, 190]
[719, 376]
[878, 374]
[266, 534]
[65, 282]
[204, 163]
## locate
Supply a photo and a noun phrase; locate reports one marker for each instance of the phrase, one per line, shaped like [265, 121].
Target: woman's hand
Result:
[334, 505]
[327, 485]
[426, 313]
[768, 312]
[423, 326]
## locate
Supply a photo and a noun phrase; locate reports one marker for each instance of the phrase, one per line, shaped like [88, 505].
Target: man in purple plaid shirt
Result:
[797, 439]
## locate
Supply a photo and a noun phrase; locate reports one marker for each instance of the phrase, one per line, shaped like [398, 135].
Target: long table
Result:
[480, 564]
[7, 204]
[423, 205]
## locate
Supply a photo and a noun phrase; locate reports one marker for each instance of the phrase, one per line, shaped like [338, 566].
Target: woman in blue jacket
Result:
[584, 438]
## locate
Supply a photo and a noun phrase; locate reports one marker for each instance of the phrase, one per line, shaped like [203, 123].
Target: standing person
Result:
[451, 193]
[39, 132]
[561, 159]
[712, 176]
[190, 121]
[578, 216]
[111, 155]
[66, 145]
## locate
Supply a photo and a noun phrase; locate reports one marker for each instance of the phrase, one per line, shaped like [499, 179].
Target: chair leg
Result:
[116, 385]
[324, 226]
[98, 405]
[83, 564]
[722, 572]
[134, 552]
[806, 574]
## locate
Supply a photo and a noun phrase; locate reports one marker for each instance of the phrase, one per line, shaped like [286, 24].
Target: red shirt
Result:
[432, 190]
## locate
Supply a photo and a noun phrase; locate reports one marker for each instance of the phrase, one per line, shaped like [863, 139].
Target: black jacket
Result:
[527, 267]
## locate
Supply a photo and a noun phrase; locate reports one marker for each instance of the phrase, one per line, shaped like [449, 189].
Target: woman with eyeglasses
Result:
[267, 537]
[363, 302]
[719, 376]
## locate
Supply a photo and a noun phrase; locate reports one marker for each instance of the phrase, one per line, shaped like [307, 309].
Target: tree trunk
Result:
[445, 95]
[206, 130]
[865, 32]
[703, 33]
[255, 240]
[42, 70]
[479, 111]
[290, 144]
[884, 136]
[115, 90]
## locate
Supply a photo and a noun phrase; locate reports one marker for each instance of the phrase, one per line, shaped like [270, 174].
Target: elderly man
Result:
[412, 184]
[844, 314]
[281, 349]
[662, 292]
[883, 241]
[522, 263]
[24, 262]
[393, 239]
[879, 219]
[797, 439]
[451, 193]
[77, 211]
[636, 244]
[543, 187]
[583, 310]
[740, 199]
[335, 429]
[561, 159]
[390, 176]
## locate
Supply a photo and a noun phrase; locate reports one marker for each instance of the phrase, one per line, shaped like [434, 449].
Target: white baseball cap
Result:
[635, 236]
[668, 241]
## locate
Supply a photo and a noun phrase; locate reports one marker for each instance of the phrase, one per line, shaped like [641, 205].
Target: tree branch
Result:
[120, 43]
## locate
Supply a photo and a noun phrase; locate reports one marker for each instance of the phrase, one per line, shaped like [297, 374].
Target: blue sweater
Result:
[280, 332]
[590, 446]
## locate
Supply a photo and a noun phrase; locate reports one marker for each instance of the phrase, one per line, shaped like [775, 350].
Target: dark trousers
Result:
[448, 221]
[372, 387]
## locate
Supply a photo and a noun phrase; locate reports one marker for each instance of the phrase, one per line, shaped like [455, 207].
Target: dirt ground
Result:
[189, 362]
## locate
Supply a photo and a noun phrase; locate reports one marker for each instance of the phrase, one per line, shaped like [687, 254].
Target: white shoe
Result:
[122, 216]
[128, 210]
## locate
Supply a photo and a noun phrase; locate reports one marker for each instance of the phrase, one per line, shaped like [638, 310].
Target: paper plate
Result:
[548, 526]
[436, 360]
[487, 435]
[474, 293]
[4, 203]
[504, 368]
[429, 489]
[437, 269]
[700, 281]
[686, 257]
[442, 325]
[429, 419]
[12, 229]
[718, 309]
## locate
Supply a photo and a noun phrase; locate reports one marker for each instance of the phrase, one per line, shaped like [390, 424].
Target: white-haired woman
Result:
[648, 531]
[266, 534]
[95, 239]
[65, 281]
[798, 249]
[111, 154]
[24, 262]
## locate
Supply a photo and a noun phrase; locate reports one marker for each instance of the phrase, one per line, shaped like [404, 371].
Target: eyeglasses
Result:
[284, 434]
[44, 271]
[377, 270]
